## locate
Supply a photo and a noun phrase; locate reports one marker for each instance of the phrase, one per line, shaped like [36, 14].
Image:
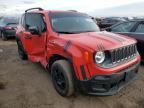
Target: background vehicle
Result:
[0, 17]
[8, 27]
[134, 29]
[70, 45]
[107, 22]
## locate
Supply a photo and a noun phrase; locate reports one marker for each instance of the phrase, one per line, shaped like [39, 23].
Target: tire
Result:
[0, 34]
[4, 37]
[21, 51]
[62, 77]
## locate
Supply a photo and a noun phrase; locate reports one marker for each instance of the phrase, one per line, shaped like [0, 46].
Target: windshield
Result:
[72, 22]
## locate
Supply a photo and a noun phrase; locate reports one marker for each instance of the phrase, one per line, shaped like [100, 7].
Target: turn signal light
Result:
[86, 56]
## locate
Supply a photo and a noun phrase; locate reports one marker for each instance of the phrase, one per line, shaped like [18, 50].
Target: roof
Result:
[40, 10]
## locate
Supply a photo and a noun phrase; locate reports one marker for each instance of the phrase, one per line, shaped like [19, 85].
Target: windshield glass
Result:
[72, 22]
[10, 20]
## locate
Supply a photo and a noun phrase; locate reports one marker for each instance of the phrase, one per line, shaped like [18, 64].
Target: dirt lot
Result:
[27, 85]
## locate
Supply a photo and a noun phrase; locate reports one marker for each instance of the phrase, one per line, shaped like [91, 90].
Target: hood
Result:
[99, 40]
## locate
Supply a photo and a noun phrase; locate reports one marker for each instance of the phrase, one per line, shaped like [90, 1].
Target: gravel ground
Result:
[24, 84]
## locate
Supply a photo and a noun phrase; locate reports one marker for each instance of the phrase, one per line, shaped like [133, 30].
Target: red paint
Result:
[41, 48]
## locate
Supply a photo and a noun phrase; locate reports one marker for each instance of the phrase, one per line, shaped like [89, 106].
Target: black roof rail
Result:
[73, 10]
[40, 9]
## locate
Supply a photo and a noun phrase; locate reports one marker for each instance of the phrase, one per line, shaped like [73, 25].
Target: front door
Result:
[34, 44]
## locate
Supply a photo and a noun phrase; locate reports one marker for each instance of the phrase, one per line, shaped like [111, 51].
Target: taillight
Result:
[8, 28]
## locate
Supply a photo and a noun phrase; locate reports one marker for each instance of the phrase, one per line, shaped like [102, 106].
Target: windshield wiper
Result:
[64, 32]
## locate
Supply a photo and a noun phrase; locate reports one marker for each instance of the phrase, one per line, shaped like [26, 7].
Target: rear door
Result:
[34, 44]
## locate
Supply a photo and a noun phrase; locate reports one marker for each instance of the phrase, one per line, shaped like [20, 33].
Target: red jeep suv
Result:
[77, 55]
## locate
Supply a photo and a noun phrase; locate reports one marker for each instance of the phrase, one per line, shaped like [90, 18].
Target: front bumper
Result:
[109, 84]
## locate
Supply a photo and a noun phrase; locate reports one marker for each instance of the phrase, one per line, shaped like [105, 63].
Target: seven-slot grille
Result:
[123, 53]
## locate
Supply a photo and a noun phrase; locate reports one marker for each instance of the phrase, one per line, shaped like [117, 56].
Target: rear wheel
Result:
[21, 51]
[0, 34]
[62, 77]
[4, 37]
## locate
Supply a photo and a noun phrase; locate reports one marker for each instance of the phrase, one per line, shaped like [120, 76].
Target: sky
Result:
[18, 6]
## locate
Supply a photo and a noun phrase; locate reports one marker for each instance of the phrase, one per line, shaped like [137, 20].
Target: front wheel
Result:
[62, 77]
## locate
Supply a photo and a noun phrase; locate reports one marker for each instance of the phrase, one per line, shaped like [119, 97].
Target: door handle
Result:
[28, 37]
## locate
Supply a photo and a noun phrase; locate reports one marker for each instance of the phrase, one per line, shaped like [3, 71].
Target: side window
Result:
[123, 27]
[33, 19]
[22, 21]
[140, 28]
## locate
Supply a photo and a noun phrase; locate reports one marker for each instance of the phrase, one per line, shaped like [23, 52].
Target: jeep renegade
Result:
[70, 45]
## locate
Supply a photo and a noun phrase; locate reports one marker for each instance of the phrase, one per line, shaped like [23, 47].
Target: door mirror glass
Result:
[34, 30]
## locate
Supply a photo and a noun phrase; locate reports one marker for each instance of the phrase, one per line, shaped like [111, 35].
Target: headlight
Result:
[99, 57]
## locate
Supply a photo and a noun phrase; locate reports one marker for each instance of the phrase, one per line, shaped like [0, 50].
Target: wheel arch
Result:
[56, 57]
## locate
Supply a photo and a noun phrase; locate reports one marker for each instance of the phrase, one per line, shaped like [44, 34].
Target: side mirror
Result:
[34, 30]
